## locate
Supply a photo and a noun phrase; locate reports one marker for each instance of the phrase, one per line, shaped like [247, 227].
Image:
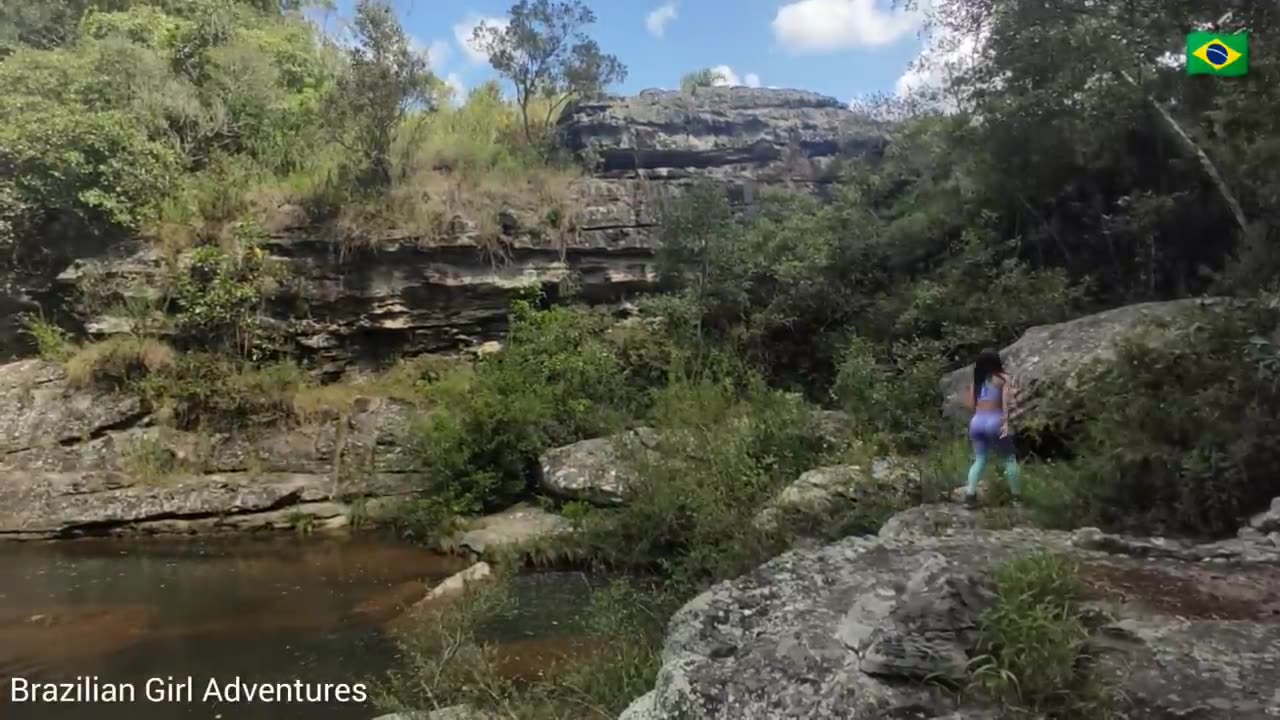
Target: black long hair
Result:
[987, 365]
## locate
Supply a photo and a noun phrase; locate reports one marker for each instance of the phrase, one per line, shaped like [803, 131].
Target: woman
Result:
[991, 399]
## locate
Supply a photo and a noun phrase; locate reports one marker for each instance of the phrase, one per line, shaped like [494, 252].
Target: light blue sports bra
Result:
[989, 391]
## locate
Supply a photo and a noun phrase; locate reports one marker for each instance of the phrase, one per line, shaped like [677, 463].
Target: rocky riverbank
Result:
[853, 629]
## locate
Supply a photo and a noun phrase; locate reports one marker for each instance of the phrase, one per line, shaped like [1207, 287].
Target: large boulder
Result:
[850, 630]
[595, 470]
[835, 489]
[1052, 355]
[87, 460]
[508, 531]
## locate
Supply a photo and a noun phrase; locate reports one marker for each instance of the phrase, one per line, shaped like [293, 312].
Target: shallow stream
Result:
[274, 610]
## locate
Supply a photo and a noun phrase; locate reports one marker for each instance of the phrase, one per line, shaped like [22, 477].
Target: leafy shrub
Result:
[722, 452]
[557, 380]
[220, 293]
[1178, 432]
[894, 401]
[223, 392]
[982, 295]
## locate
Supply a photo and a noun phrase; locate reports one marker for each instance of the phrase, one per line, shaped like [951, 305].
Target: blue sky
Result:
[842, 48]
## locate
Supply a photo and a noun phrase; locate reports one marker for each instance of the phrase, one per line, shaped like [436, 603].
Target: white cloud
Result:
[944, 55]
[725, 76]
[657, 20]
[454, 83]
[439, 52]
[728, 77]
[463, 32]
[818, 26]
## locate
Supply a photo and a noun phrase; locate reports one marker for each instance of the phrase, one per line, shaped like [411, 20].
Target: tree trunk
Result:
[1183, 138]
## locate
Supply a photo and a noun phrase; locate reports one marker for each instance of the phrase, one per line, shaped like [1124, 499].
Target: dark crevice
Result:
[618, 226]
[104, 526]
[124, 423]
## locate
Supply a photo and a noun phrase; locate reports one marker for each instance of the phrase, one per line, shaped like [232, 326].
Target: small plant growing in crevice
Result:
[1032, 655]
[220, 293]
[52, 342]
[150, 460]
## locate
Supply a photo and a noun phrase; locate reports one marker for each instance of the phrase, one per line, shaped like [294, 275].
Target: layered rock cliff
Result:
[345, 305]
[76, 461]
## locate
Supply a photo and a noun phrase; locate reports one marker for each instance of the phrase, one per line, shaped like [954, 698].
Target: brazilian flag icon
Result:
[1214, 54]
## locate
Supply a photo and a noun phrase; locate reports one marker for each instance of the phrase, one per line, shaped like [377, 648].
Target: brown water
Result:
[263, 611]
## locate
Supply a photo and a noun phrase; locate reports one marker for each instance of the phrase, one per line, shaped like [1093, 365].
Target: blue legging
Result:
[984, 432]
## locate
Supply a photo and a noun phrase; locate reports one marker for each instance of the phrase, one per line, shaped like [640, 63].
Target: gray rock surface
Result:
[754, 131]
[1051, 355]
[507, 531]
[595, 470]
[76, 461]
[841, 488]
[847, 630]
[1267, 521]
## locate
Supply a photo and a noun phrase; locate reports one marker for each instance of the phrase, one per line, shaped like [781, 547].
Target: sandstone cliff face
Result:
[405, 295]
[83, 461]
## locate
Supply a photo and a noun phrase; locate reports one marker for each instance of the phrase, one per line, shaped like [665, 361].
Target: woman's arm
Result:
[968, 396]
[1006, 405]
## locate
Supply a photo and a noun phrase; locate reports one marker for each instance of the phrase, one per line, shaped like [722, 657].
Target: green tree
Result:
[1097, 149]
[546, 54]
[704, 78]
[386, 80]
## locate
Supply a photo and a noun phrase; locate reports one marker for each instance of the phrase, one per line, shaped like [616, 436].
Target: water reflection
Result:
[266, 611]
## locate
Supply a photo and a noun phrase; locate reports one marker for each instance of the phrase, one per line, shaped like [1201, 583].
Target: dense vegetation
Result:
[191, 123]
[1069, 172]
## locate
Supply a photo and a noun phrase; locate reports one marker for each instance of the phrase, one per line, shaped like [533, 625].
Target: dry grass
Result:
[118, 359]
[404, 382]
[459, 174]
[464, 174]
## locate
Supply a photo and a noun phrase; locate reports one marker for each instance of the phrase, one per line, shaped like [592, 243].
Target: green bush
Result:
[893, 401]
[722, 452]
[222, 392]
[219, 295]
[557, 380]
[1178, 433]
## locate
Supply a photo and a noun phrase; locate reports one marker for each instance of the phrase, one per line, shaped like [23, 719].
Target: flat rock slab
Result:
[841, 631]
[508, 530]
[53, 504]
